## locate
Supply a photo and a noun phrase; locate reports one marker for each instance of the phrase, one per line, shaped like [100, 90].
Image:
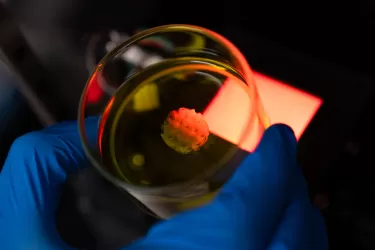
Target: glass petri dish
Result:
[178, 108]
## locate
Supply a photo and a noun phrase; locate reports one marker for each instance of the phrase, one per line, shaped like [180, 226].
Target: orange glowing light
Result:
[286, 104]
[230, 110]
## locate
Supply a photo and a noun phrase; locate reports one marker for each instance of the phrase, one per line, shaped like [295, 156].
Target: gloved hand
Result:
[31, 185]
[264, 205]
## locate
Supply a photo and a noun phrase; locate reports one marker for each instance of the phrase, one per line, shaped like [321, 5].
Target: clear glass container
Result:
[178, 109]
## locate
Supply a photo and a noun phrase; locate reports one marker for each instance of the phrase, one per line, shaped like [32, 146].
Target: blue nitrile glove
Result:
[264, 206]
[31, 185]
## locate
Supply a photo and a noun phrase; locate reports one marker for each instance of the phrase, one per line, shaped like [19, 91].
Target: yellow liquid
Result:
[132, 147]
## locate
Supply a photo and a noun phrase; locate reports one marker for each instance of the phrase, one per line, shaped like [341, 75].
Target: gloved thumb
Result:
[259, 190]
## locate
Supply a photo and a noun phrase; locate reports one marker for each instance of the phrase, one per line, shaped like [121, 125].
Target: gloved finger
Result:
[259, 191]
[38, 164]
[319, 239]
[68, 130]
[301, 228]
[294, 230]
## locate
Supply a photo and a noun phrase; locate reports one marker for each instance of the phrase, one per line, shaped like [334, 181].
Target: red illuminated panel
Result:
[285, 104]
[230, 110]
[94, 92]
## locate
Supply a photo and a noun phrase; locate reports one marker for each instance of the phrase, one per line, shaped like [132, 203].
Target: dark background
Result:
[324, 48]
